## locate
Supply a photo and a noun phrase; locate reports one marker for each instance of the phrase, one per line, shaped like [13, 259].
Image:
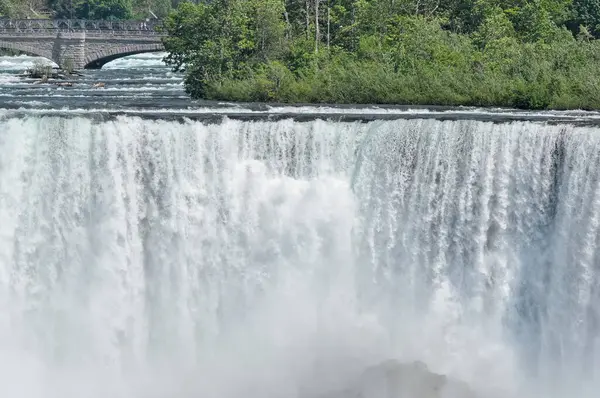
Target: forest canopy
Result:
[86, 9]
[519, 53]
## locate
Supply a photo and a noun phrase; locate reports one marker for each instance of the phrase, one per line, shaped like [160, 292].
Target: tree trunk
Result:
[288, 26]
[328, 26]
[317, 32]
[307, 19]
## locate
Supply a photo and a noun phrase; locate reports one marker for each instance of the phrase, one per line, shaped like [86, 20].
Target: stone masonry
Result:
[80, 48]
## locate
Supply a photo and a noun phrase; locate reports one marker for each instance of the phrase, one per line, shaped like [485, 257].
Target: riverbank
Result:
[527, 76]
[446, 70]
[383, 56]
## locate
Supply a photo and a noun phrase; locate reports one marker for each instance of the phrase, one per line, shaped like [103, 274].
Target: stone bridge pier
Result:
[80, 44]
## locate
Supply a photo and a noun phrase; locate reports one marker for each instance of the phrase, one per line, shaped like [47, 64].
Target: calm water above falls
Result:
[144, 255]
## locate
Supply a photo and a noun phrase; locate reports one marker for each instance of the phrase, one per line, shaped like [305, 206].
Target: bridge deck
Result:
[80, 43]
[36, 27]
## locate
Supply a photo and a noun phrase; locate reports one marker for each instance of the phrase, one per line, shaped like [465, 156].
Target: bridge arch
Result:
[26, 49]
[96, 60]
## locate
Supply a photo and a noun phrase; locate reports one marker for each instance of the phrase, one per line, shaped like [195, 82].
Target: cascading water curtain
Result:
[147, 258]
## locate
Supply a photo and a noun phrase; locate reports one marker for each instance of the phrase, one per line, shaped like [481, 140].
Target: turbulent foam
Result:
[137, 61]
[155, 259]
[21, 62]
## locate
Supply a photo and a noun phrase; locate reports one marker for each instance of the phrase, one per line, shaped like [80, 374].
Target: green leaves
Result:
[92, 9]
[588, 13]
[495, 26]
[108, 9]
[5, 8]
[145, 8]
[222, 38]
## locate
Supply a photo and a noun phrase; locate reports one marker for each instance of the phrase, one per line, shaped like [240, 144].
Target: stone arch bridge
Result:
[81, 44]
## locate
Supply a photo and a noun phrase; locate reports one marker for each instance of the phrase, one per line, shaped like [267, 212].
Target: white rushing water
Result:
[276, 259]
[140, 81]
[137, 61]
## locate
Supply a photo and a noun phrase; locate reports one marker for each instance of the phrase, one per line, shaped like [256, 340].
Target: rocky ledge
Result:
[43, 74]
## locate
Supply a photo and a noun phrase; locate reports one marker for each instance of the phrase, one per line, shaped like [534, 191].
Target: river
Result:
[152, 246]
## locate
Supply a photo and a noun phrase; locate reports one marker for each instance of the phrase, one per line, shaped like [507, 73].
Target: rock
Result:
[47, 73]
[43, 79]
[392, 379]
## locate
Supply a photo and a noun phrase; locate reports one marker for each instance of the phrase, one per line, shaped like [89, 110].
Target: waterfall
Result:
[147, 258]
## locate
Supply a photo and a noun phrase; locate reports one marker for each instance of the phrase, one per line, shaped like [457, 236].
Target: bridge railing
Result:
[43, 26]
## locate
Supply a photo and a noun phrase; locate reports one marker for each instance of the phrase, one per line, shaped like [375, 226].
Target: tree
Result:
[92, 9]
[587, 13]
[149, 8]
[5, 8]
[222, 38]
[22, 8]
[495, 26]
[193, 44]
[266, 27]
[62, 8]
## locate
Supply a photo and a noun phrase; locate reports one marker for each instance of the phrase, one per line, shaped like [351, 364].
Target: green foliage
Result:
[92, 9]
[495, 26]
[62, 8]
[21, 8]
[106, 9]
[221, 38]
[515, 53]
[5, 8]
[145, 8]
[87, 9]
[588, 13]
